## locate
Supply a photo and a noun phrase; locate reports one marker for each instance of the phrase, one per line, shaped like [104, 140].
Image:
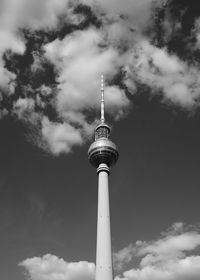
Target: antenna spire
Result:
[102, 99]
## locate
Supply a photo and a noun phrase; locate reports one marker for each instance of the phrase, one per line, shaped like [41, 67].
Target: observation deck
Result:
[102, 150]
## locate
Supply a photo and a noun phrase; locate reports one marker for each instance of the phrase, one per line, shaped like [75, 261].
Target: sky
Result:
[52, 54]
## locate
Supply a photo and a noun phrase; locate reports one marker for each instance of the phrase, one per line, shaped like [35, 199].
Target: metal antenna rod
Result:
[102, 99]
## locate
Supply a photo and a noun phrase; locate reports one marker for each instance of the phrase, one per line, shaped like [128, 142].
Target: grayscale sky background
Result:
[52, 53]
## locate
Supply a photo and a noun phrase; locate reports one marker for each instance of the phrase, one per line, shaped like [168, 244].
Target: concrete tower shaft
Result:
[104, 265]
[102, 154]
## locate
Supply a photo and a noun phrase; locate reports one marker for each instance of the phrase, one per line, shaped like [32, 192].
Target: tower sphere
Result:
[102, 150]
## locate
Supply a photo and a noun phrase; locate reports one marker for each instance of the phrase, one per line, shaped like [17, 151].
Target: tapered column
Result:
[104, 268]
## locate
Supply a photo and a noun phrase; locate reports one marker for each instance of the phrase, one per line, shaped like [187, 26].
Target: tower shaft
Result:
[104, 267]
[103, 154]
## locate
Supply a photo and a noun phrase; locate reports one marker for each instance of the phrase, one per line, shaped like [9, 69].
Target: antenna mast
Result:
[102, 99]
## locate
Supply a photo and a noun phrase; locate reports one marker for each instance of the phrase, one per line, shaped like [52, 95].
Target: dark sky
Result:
[48, 204]
[48, 194]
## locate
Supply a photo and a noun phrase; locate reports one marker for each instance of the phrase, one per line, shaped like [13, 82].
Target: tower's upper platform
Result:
[102, 150]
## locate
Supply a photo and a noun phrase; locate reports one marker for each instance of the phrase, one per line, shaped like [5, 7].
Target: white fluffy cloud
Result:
[60, 137]
[80, 61]
[178, 81]
[171, 257]
[50, 267]
[184, 269]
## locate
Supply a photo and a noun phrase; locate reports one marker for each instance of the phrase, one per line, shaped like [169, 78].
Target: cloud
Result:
[171, 257]
[23, 105]
[170, 247]
[80, 60]
[185, 269]
[12, 42]
[123, 257]
[50, 267]
[60, 137]
[196, 33]
[165, 73]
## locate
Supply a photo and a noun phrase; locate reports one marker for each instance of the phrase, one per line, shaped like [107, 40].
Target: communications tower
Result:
[102, 154]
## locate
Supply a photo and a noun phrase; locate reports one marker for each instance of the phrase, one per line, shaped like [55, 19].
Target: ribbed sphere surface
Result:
[103, 150]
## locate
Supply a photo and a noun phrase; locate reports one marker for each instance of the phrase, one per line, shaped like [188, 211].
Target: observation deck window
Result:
[102, 132]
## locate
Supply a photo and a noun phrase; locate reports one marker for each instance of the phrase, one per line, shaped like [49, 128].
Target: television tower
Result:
[102, 154]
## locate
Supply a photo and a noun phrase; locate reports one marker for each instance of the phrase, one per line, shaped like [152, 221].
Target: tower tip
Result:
[102, 82]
